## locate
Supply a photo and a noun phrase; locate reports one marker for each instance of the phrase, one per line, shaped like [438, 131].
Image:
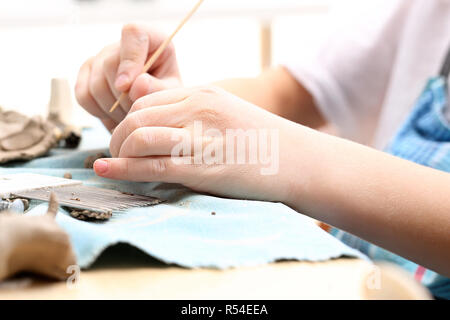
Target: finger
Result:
[154, 141]
[146, 84]
[110, 66]
[161, 98]
[143, 85]
[158, 116]
[134, 48]
[161, 169]
[109, 124]
[100, 91]
[83, 94]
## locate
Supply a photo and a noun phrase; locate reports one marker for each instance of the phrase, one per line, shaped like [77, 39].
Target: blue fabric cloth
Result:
[183, 231]
[424, 138]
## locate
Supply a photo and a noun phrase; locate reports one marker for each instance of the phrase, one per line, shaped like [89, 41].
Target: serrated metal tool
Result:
[70, 193]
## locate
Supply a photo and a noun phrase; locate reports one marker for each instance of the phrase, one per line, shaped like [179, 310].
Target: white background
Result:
[43, 39]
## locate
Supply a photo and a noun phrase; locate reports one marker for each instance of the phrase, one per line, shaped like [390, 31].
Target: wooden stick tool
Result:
[160, 50]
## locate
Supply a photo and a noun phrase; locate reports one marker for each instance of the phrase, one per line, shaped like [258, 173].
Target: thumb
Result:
[146, 84]
[134, 46]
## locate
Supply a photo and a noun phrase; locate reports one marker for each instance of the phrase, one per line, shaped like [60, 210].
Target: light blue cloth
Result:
[183, 231]
[424, 138]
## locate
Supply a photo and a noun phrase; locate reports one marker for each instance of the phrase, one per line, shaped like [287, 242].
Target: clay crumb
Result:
[89, 161]
[87, 215]
[213, 213]
[67, 175]
[76, 199]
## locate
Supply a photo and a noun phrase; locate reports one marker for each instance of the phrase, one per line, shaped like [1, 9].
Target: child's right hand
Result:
[118, 67]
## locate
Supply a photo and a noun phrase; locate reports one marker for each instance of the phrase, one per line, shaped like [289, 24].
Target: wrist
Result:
[309, 159]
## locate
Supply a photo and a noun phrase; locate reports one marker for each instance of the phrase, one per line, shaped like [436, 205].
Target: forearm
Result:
[278, 92]
[394, 203]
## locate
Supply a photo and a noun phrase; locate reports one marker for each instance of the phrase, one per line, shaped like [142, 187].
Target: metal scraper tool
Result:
[70, 193]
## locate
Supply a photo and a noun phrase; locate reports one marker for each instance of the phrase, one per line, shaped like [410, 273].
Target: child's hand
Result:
[118, 67]
[352, 187]
[147, 145]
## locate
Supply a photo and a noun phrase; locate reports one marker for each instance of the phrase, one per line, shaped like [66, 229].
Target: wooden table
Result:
[337, 279]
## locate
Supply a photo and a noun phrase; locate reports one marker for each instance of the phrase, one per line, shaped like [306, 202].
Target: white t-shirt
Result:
[366, 78]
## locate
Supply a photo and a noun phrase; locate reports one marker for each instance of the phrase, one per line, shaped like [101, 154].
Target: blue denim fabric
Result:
[182, 230]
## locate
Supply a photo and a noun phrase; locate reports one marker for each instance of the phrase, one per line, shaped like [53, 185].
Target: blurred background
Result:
[40, 40]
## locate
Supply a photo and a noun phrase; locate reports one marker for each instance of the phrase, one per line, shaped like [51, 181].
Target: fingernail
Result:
[122, 80]
[101, 166]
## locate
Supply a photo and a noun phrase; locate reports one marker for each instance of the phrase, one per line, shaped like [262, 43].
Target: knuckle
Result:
[207, 114]
[203, 103]
[124, 168]
[95, 85]
[130, 61]
[84, 100]
[136, 39]
[80, 94]
[157, 167]
[201, 95]
[82, 84]
[108, 49]
[143, 137]
[210, 117]
[208, 90]
[139, 104]
[131, 28]
[88, 63]
[132, 122]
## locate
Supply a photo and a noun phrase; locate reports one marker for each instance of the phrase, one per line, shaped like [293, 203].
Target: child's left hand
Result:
[146, 145]
[352, 187]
